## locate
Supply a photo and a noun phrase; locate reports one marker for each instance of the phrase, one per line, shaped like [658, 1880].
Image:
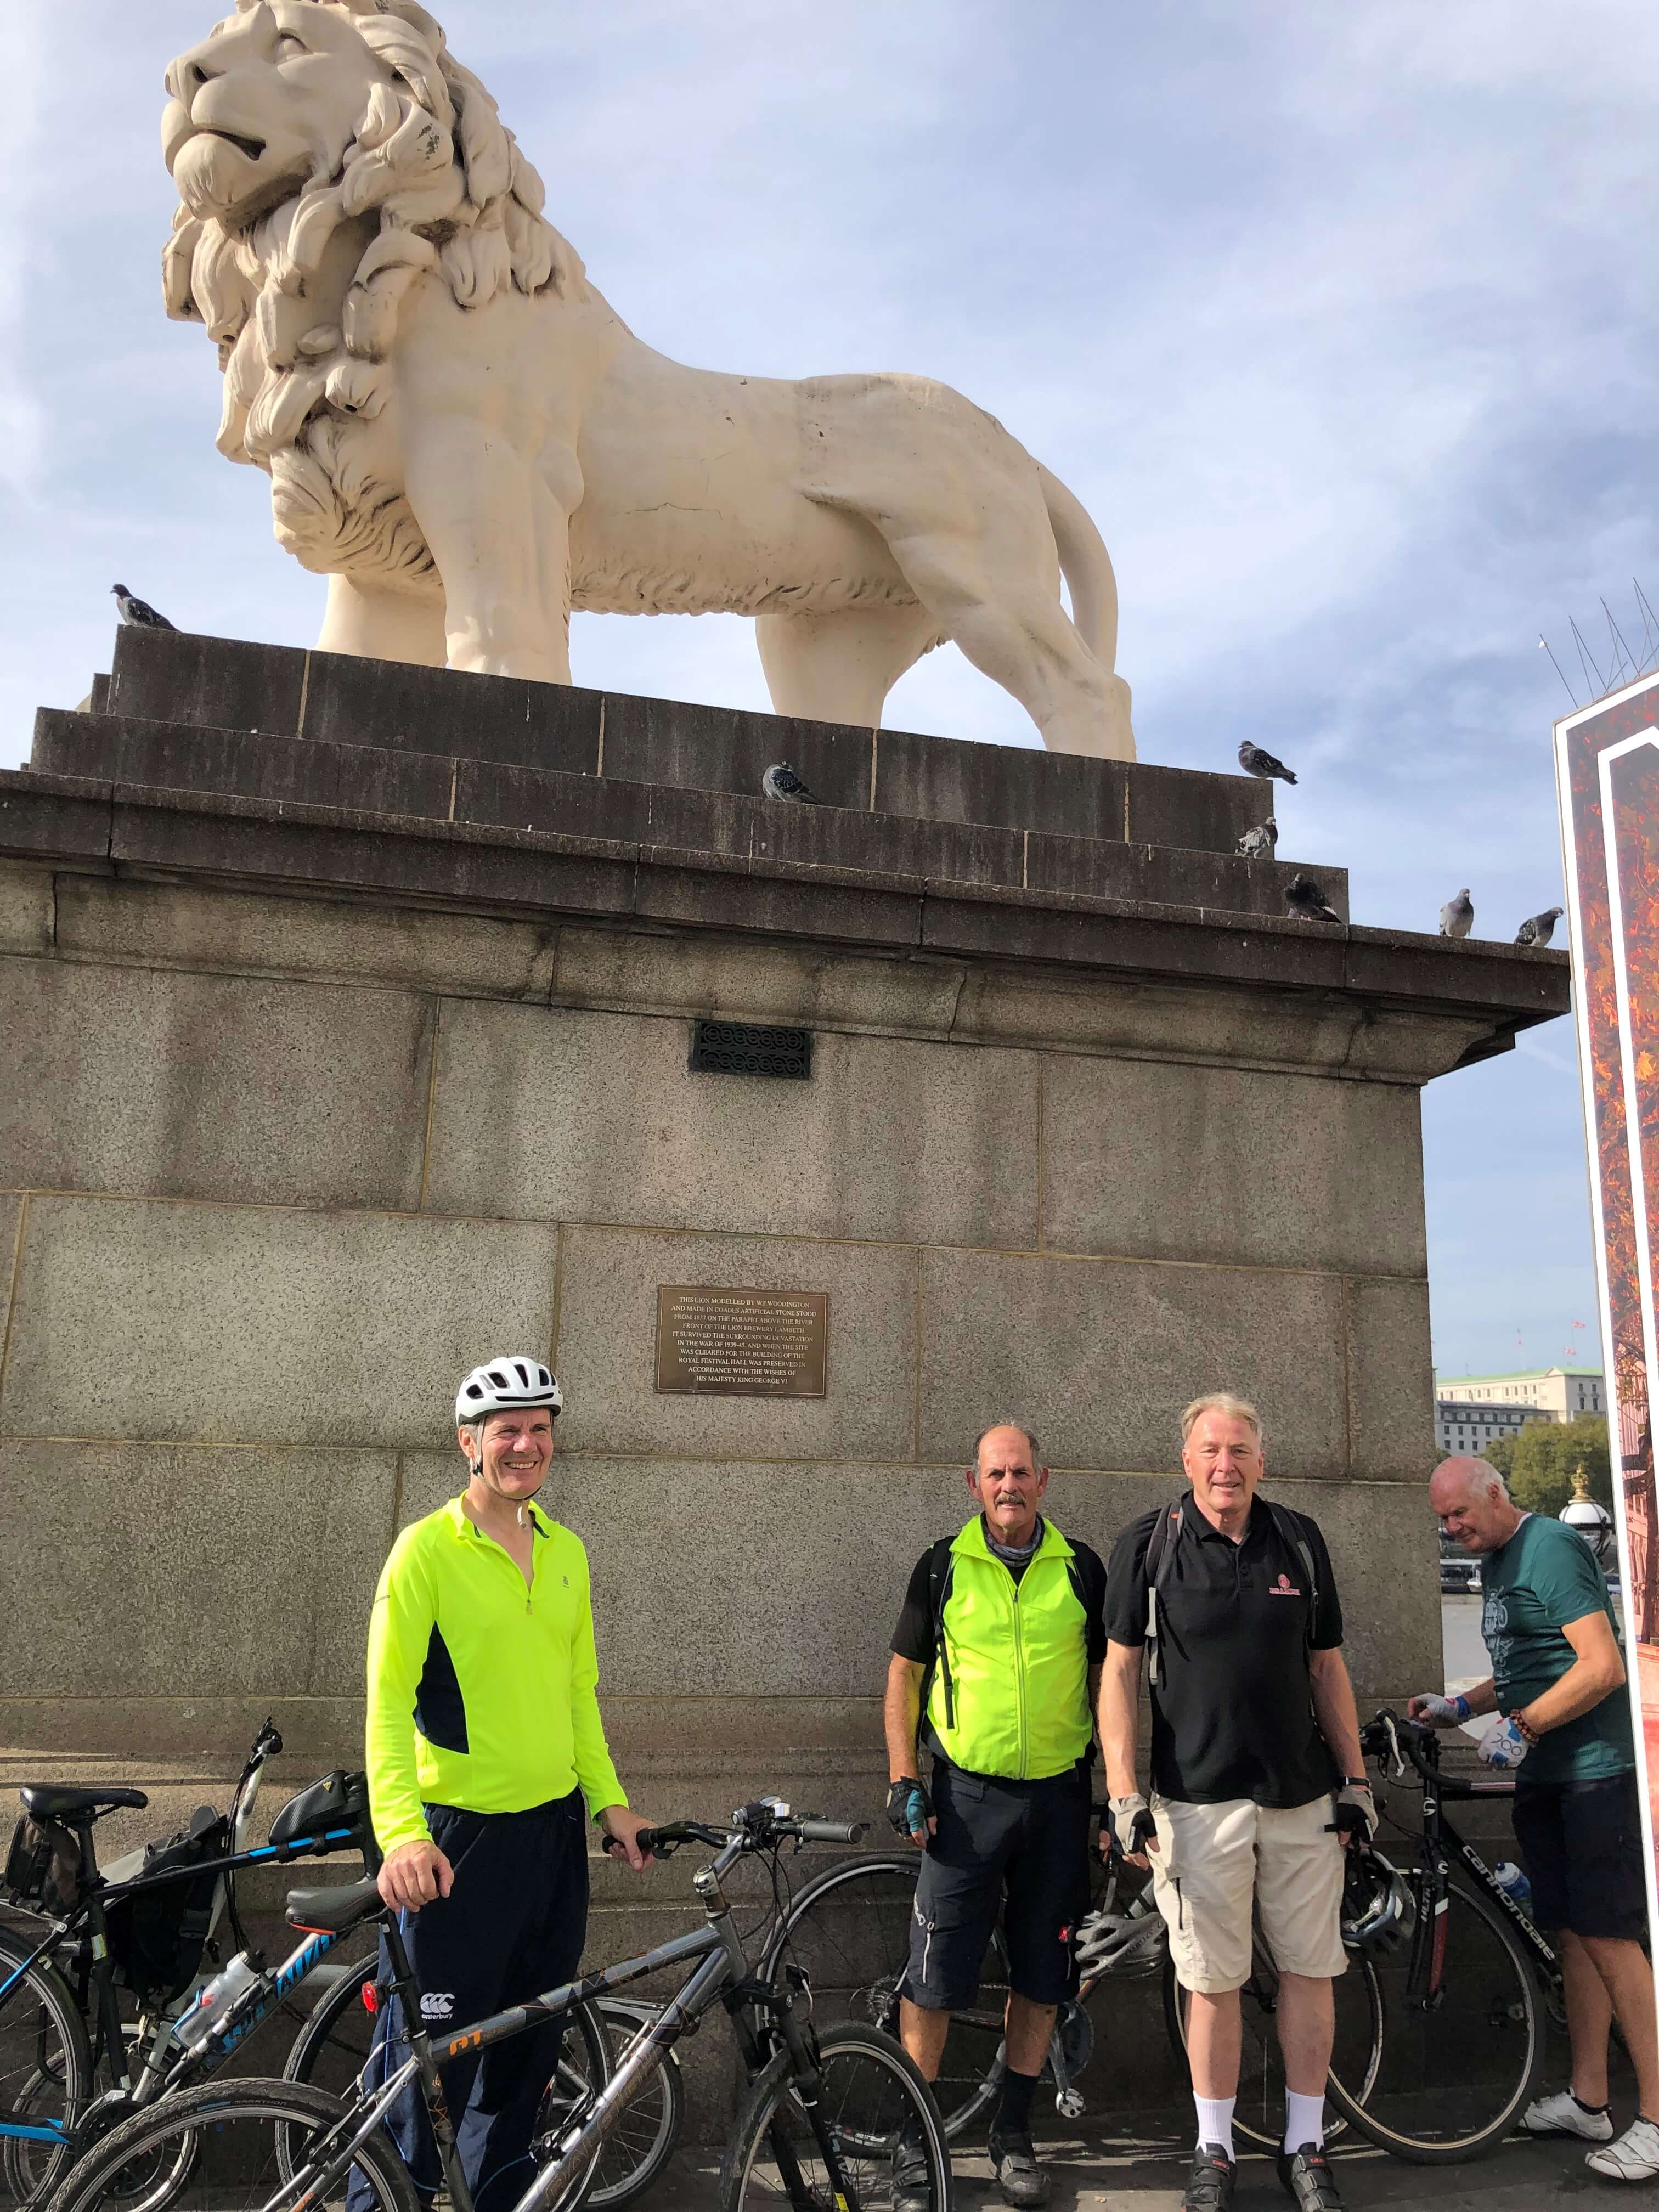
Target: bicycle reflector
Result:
[371, 1998]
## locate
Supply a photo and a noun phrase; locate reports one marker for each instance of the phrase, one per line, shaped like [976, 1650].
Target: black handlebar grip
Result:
[833, 1832]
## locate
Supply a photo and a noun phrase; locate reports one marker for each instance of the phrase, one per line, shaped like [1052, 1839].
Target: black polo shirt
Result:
[1235, 1716]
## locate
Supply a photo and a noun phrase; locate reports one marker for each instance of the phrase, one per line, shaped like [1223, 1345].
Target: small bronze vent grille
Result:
[745, 1049]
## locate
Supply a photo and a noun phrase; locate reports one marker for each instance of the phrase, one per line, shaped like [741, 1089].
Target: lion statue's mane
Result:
[454, 196]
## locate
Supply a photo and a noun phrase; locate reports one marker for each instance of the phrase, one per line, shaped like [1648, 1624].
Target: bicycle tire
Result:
[1258, 2111]
[853, 1950]
[46, 2072]
[230, 2175]
[1485, 2041]
[863, 2073]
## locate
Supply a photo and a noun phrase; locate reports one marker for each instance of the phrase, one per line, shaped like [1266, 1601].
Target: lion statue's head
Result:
[329, 154]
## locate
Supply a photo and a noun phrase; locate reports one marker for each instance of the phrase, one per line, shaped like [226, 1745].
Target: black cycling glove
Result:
[908, 1807]
[1133, 1825]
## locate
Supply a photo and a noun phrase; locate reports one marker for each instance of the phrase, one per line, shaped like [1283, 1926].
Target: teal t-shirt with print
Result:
[1544, 1577]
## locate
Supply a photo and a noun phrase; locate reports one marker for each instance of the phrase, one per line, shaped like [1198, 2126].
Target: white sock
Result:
[1215, 2121]
[1304, 2120]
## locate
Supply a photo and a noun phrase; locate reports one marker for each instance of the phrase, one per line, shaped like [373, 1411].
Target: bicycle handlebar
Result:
[751, 1828]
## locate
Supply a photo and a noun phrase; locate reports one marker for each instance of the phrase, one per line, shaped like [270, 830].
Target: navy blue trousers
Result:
[512, 1927]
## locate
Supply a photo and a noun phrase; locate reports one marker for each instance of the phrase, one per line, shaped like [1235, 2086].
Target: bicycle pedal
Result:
[1069, 2104]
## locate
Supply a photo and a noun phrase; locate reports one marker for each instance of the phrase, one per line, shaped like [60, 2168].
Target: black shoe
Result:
[913, 2179]
[1306, 2174]
[1014, 2163]
[1210, 2182]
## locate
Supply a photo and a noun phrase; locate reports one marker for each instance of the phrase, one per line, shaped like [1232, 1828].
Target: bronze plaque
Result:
[742, 1344]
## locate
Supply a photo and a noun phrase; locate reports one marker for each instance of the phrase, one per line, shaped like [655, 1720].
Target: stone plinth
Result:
[348, 1009]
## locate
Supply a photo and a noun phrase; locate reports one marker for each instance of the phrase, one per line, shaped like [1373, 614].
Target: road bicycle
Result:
[850, 1931]
[827, 2114]
[1468, 2000]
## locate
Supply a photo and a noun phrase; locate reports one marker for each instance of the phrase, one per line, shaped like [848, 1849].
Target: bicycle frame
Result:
[718, 1972]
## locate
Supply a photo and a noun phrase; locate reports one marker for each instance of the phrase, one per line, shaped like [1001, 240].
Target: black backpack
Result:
[941, 1574]
[1160, 1561]
[156, 1936]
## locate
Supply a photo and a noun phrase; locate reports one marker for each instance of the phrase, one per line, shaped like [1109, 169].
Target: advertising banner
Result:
[1606, 759]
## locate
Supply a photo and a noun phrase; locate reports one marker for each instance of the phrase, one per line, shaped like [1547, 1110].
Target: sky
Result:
[1341, 321]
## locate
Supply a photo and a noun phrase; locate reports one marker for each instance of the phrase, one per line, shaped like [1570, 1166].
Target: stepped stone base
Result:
[348, 1010]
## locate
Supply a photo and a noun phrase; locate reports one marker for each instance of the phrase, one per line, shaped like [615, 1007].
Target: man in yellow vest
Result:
[996, 1659]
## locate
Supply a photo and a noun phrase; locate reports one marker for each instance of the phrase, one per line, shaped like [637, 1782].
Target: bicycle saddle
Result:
[50, 1800]
[332, 1911]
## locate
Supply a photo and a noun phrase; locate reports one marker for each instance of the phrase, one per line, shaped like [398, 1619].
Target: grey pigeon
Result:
[1254, 762]
[781, 781]
[138, 614]
[1304, 896]
[1258, 844]
[1539, 928]
[1457, 916]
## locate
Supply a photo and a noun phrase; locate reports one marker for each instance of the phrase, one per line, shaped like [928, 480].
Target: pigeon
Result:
[138, 614]
[1304, 896]
[1457, 916]
[1254, 762]
[1258, 844]
[781, 781]
[1539, 928]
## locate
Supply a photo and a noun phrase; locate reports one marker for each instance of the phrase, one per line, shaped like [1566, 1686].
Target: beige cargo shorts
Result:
[1215, 1864]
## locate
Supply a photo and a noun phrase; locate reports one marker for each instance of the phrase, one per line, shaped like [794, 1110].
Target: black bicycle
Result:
[114, 1992]
[1468, 1998]
[828, 2117]
[850, 1930]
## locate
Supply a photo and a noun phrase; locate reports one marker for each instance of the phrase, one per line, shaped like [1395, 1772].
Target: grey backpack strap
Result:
[1159, 1565]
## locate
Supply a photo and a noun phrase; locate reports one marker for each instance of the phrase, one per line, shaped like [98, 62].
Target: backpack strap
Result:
[1290, 1535]
[941, 1574]
[1159, 1564]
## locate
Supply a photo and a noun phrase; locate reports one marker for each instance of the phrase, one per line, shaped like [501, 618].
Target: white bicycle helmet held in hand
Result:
[506, 1385]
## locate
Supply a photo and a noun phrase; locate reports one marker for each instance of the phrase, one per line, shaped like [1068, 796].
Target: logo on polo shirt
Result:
[1284, 1588]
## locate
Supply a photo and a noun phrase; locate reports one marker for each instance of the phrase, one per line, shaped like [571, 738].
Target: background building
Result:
[1563, 1393]
[1462, 1426]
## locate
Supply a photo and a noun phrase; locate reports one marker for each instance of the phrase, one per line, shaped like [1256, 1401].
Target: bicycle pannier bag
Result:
[43, 1868]
[156, 1936]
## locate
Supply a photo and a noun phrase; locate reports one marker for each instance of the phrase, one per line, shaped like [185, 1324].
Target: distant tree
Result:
[1540, 1464]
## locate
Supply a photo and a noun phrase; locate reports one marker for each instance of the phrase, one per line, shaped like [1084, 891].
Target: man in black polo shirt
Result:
[1257, 1779]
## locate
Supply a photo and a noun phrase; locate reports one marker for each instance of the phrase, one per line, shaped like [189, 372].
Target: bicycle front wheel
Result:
[869, 2106]
[850, 1933]
[1458, 2068]
[238, 2168]
[46, 2075]
[642, 2141]
[1356, 2055]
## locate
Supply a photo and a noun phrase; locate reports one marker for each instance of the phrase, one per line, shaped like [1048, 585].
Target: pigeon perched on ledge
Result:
[138, 614]
[781, 781]
[1304, 896]
[1539, 928]
[1258, 844]
[1254, 762]
[1457, 916]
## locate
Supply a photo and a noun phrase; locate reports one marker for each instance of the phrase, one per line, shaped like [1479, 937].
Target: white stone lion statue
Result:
[468, 441]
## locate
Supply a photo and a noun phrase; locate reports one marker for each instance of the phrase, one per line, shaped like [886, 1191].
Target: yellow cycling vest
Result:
[1010, 1689]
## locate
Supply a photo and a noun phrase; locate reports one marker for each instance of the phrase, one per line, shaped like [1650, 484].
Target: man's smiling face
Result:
[1008, 1486]
[515, 1448]
[1223, 1461]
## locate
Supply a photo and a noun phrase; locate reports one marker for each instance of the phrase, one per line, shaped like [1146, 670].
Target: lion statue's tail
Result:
[1087, 566]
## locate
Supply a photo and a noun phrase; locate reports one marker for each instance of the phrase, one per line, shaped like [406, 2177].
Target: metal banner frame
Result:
[1607, 762]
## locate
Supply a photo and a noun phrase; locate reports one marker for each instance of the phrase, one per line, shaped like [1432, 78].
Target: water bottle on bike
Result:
[212, 2008]
[1514, 1884]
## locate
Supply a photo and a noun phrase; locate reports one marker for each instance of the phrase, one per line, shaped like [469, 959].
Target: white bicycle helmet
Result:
[1378, 1908]
[505, 1385]
[1121, 1943]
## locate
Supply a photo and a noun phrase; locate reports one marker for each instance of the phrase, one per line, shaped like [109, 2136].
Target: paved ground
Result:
[1116, 2173]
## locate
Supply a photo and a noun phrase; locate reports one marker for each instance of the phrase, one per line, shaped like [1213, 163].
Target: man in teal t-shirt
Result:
[1558, 1681]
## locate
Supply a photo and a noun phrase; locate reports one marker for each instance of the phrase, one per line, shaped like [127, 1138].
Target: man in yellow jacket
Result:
[995, 1660]
[484, 1741]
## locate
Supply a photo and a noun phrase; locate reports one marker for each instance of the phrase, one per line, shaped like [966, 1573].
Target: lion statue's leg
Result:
[839, 667]
[383, 625]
